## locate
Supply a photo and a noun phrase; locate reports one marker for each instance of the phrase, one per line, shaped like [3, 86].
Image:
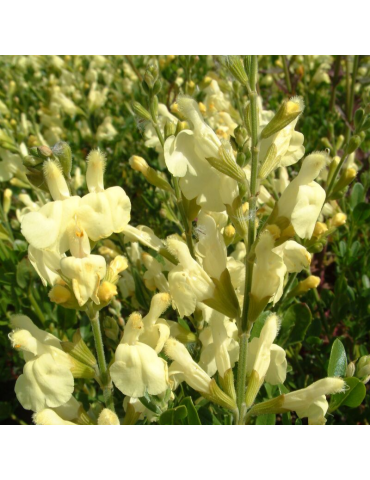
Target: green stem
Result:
[350, 86]
[286, 73]
[242, 376]
[245, 327]
[104, 374]
[335, 82]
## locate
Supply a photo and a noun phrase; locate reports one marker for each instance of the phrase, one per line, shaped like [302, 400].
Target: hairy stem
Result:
[103, 370]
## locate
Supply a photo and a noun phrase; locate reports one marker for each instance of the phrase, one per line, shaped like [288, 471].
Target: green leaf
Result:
[268, 419]
[357, 195]
[294, 325]
[338, 360]
[361, 212]
[193, 417]
[352, 397]
[173, 416]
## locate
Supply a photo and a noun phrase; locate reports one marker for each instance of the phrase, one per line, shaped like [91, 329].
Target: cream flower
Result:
[156, 330]
[50, 417]
[302, 200]
[184, 368]
[310, 401]
[266, 358]
[294, 255]
[211, 246]
[188, 282]
[153, 277]
[185, 157]
[137, 368]
[44, 384]
[220, 346]
[269, 271]
[46, 263]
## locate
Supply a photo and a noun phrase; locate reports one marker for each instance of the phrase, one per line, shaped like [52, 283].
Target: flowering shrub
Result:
[201, 303]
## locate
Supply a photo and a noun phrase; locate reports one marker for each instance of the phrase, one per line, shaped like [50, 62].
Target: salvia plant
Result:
[182, 240]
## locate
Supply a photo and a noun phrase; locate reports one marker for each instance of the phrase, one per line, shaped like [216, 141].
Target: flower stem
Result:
[286, 73]
[245, 327]
[104, 374]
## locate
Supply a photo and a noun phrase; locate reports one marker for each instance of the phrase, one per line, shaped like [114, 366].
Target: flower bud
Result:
[319, 229]
[288, 112]
[169, 129]
[59, 294]
[339, 142]
[339, 219]
[235, 66]
[7, 200]
[152, 176]
[304, 286]
[229, 234]
[226, 164]
[64, 153]
[53, 174]
[106, 292]
[270, 162]
[350, 370]
[354, 143]
[111, 328]
[240, 134]
[347, 176]
[95, 171]
[363, 367]
[274, 230]
[107, 417]
[43, 151]
[141, 112]
[139, 165]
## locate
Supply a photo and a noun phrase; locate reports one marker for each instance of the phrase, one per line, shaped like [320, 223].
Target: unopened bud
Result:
[288, 232]
[111, 328]
[226, 164]
[181, 126]
[288, 112]
[274, 230]
[350, 370]
[153, 177]
[107, 417]
[333, 165]
[64, 153]
[95, 171]
[43, 151]
[229, 234]
[7, 200]
[141, 112]
[354, 143]
[339, 219]
[339, 142]
[270, 163]
[59, 294]
[139, 164]
[240, 134]
[106, 292]
[319, 229]
[363, 369]
[169, 129]
[53, 174]
[347, 176]
[202, 108]
[304, 286]
[235, 66]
